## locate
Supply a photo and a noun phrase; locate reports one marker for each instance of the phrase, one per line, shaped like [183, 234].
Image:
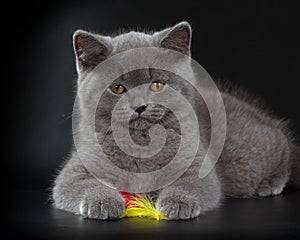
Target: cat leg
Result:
[255, 162]
[274, 183]
[269, 187]
[77, 191]
[189, 196]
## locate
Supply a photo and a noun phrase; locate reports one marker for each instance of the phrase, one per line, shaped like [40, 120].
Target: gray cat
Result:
[259, 157]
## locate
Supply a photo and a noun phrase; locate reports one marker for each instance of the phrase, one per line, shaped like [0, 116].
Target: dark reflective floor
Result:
[31, 216]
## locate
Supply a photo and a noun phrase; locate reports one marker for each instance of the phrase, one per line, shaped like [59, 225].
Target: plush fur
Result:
[259, 157]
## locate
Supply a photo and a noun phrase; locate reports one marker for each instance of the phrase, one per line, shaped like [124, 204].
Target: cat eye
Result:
[156, 86]
[118, 89]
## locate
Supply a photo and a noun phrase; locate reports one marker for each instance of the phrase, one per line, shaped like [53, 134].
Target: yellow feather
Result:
[143, 206]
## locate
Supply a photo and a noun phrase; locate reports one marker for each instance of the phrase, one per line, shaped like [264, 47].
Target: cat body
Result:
[259, 157]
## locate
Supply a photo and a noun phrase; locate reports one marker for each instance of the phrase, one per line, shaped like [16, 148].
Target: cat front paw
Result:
[102, 206]
[178, 206]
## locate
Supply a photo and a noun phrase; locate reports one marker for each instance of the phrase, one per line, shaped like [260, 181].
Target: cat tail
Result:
[295, 167]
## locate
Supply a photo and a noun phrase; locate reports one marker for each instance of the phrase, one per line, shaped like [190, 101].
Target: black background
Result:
[253, 44]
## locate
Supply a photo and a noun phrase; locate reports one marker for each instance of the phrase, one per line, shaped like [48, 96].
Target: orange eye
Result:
[156, 86]
[118, 89]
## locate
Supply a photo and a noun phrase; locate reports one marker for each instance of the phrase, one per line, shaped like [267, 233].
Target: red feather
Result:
[128, 198]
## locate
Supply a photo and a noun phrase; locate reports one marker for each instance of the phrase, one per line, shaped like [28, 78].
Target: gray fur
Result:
[257, 160]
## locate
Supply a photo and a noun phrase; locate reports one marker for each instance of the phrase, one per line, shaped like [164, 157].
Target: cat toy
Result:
[141, 206]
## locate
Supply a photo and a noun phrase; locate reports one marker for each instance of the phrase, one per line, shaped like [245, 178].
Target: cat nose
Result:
[141, 109]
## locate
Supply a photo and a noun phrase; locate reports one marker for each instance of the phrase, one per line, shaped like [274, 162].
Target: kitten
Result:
[258, 159]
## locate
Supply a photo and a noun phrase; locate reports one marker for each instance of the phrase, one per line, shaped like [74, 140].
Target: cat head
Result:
[140, 86]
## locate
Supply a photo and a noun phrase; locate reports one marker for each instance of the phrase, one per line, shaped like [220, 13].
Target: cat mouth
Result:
[140, 123]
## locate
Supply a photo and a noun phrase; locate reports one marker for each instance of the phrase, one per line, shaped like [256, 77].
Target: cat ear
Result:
[178, 38]
[90, 49]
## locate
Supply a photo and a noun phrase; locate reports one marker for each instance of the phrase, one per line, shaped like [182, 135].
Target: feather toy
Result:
[141, 206]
